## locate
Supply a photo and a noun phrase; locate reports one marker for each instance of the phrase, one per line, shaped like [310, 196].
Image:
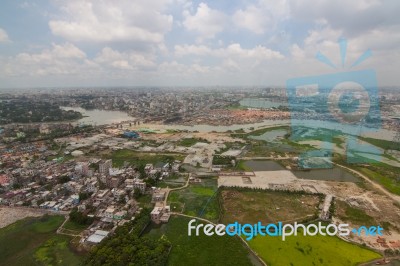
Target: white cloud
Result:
[65, 59]
[125, 60]
[206, 22]
[3, 36]
[259, 52]
[262, 17]
[252, 18]
[110, 21]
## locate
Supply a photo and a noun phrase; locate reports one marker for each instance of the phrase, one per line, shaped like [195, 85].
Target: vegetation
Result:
[140, 158]
[202, 249]
[251, 206]
[33, 241]
[24, 111]
[197, 200]
[310, 250]
[79, 218]
[381, 143]
[387, 176]
[127, 247]
[353, 215]
[187, 142]
[222, 160]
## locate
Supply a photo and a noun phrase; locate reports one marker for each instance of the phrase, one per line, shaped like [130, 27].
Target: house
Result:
[120, 215]
[140, 185]
[97, 237]
[148, 167]
[104, 166]
[92, 186]
[160, 214]
[158, 195]
[109, 212]
[101, 195]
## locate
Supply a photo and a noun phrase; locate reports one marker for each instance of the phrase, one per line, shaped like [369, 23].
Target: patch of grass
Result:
[22, 243]
[198, 200]
[202, 249]
[55, 251]
[385, 175]
[381, 143]
[70, 225]
[250, 206]
[310, 250]
[353, 215]
[241, 166]
[187, 142]
[140, 158]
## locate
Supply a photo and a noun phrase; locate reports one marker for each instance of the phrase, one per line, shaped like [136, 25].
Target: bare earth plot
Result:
[266, 206]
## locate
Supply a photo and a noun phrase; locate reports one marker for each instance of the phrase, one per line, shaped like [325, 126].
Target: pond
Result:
[271, 136]
[331, 174]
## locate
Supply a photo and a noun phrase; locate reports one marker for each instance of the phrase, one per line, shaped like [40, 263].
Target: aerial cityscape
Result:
[193, 133]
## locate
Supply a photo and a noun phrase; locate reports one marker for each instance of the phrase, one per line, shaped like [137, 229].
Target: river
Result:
[103, 117]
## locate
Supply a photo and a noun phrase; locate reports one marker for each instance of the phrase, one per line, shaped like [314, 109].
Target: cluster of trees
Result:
[128, 247]
[80, 218]
[26, 111]
[223, 160]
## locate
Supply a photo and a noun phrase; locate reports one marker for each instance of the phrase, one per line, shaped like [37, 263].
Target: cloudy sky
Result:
[47, 43]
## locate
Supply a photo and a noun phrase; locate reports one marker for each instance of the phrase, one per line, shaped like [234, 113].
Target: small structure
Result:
[97, 237]
[160, 214]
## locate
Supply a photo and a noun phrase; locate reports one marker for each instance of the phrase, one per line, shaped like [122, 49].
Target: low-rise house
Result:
[160, 214]
[158, 195]
[120, 215]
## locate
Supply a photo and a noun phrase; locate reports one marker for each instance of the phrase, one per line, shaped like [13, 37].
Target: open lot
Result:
[250, 206]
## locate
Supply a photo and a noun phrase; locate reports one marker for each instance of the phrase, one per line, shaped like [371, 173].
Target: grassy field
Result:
[250, 206]
[33, 241]
[74, 226]
[384, 144]
[310, 250]
[200, 250]
[140, 158]
[387, 176]
[353, 215]
[187, 142]
[197, 200]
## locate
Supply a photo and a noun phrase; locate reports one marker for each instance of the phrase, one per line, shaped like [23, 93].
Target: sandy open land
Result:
[11, 215]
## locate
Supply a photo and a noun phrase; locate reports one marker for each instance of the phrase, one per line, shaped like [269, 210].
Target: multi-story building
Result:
[104, 167]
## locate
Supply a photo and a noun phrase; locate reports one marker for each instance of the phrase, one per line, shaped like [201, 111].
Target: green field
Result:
[197, 200]
[33, 241]
[74, 226]
[187, 142]
[200, 250]
[252, 206]
[140, 158]
[310, 250]
[353, 215]
[385, 175]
